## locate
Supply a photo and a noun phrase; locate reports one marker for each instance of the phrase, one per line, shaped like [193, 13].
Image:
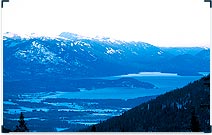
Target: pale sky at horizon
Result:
[158, 22]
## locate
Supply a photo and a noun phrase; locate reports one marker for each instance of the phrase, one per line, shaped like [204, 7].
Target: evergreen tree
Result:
[22, 124]
[93, 129]
[194, 123]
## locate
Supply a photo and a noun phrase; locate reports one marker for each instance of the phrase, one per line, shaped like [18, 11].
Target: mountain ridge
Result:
[77, 56]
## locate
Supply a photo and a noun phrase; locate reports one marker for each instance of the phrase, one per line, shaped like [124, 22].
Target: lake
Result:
[163, 81]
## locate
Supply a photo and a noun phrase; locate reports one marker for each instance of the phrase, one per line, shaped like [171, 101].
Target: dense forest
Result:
[185, 109]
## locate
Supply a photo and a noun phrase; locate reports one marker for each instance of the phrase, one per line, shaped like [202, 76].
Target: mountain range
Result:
[75, 56]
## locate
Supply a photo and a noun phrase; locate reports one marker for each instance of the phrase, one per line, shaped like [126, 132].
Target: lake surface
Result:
[163, 81]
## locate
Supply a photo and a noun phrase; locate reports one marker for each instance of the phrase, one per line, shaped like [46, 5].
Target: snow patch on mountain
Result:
[206, 48]
[112, 51]
[160, 52]
[29, 36]
[108, 40]
[15, 36]
[38, 52]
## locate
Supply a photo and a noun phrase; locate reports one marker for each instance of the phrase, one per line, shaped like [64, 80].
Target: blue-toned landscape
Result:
[75, 83]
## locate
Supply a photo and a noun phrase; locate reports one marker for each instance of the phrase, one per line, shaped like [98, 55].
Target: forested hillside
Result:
[181, 110]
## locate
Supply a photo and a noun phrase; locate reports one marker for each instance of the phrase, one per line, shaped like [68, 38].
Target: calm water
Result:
[164, 81]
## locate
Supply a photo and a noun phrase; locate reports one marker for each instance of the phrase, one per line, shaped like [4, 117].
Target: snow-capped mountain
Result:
[72, 55]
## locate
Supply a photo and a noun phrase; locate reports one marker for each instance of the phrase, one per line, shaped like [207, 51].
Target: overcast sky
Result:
[159, 22]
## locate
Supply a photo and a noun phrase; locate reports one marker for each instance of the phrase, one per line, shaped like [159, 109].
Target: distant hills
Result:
[75, 56]
[183, 50]
[181, 110]
[72, 85]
